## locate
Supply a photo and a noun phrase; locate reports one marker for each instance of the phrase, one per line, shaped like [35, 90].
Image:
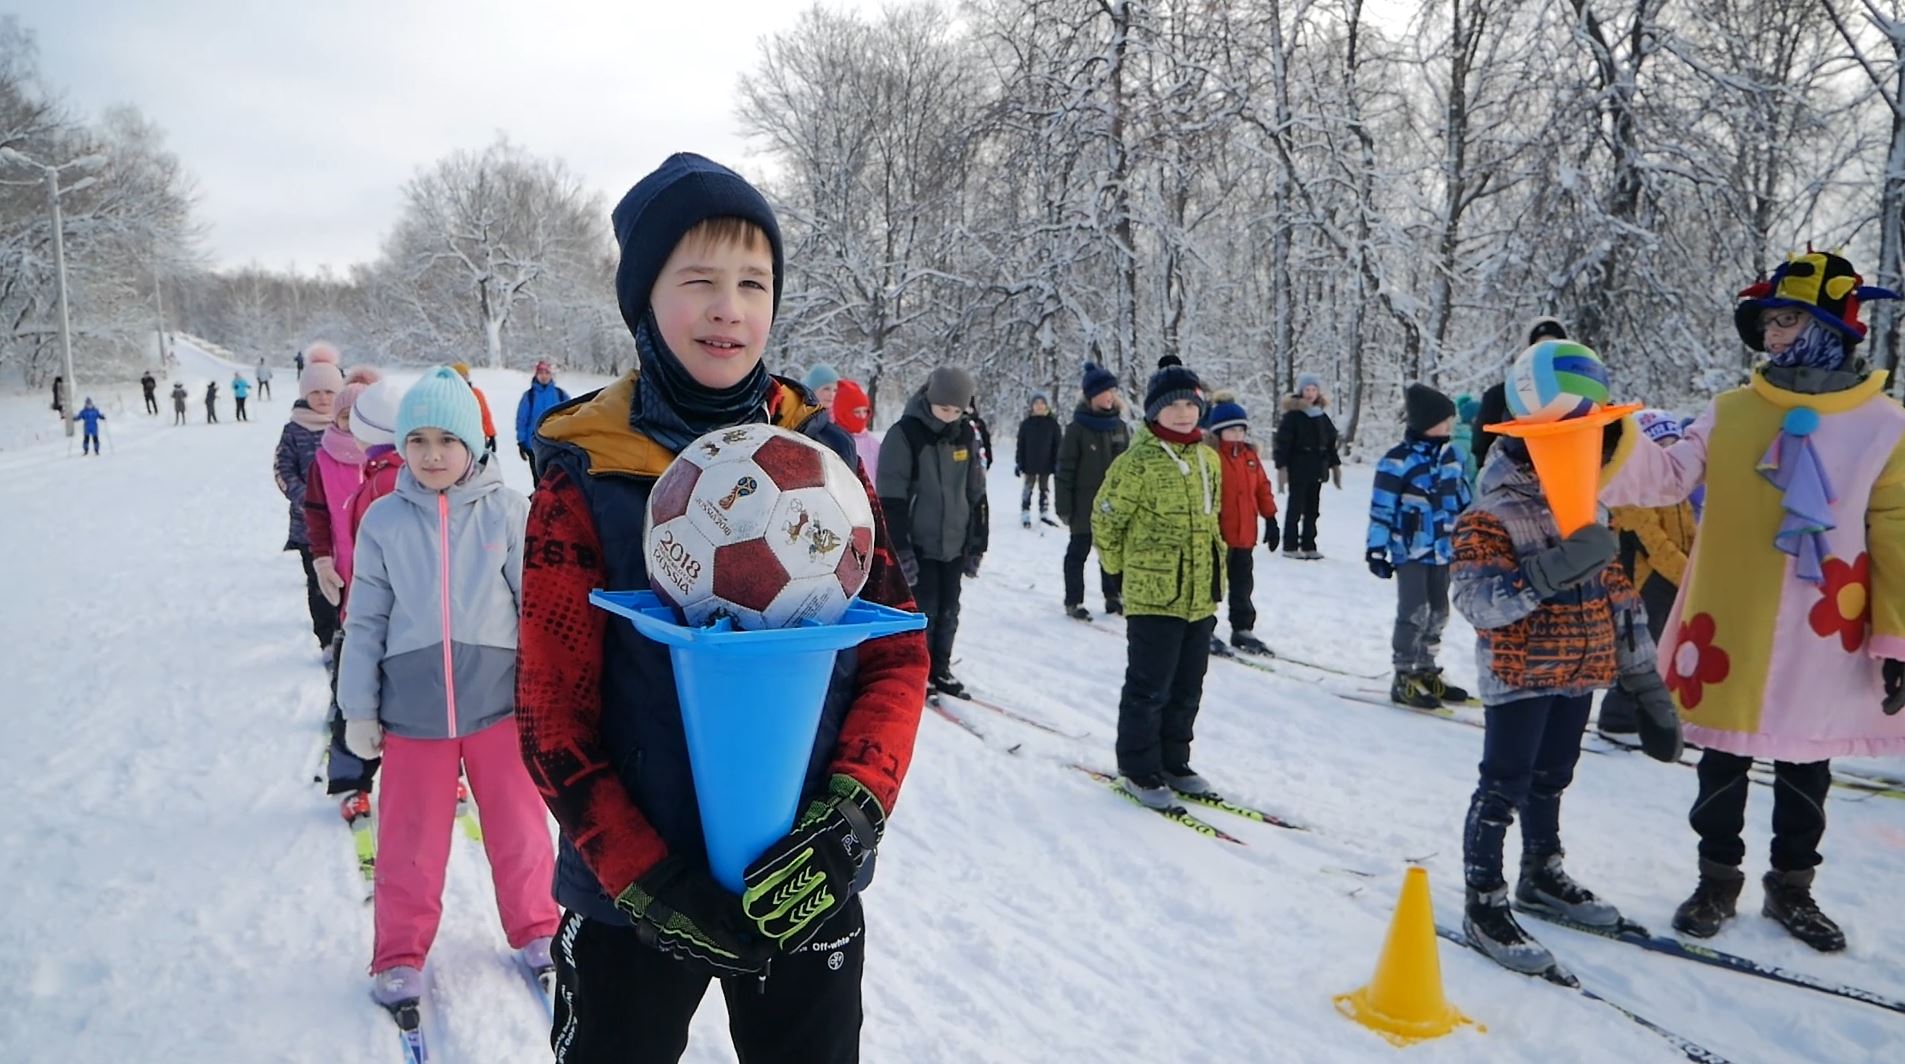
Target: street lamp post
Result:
[52, 174]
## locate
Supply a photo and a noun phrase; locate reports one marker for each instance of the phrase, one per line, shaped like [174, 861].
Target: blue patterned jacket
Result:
[1421, 488]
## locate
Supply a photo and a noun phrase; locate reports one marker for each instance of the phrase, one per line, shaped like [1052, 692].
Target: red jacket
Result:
[1247, 495]
[380, 479]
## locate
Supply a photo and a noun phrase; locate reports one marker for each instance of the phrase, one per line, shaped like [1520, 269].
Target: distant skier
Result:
[150, 386]
[427, 680]
[59, 396]
[542, 396]
[240, 389]
[1095, 438]
[263, 374]
[297, 361]
[92, 416]
[1248, 500]
[932, 484]
[1156, 522]
[852, 412]
[1305, 456]
[179, 395]
[1036, 459]
[1555, 622]
[1421, 489]
[211, 402]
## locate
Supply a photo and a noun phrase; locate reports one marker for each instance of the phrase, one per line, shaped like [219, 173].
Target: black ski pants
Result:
[345, 772]
[1304, 506]
[1242, 571]
[620, 1002]
[324, 623]
[240, 415]
[937, 595]
[1799, 810]
[211, 414]
[1528, 756]
[1166, 658]
[152, 403]
[264, 389]
[1076, 552]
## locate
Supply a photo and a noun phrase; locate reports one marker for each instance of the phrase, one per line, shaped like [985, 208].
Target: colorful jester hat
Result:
[1819, 282]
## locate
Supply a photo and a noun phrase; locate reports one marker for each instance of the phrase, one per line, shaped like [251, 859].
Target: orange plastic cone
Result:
[1567, 457]
[1404, 1001]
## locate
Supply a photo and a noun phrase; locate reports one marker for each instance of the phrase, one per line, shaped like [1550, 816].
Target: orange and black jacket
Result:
[1579, 641]
[600, 725]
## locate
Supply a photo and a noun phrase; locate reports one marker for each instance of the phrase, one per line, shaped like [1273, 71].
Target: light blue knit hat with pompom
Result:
[441, 400]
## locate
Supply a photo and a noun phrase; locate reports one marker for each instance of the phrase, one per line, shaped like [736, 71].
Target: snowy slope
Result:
[177, 890]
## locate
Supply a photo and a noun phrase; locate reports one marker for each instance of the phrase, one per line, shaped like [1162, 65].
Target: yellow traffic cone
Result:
[1404, 1001]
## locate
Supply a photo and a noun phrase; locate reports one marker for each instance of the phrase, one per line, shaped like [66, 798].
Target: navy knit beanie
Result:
[1227, 413]
[1098, 381]
[681, 193]
[1424, 408]
[1170, 383]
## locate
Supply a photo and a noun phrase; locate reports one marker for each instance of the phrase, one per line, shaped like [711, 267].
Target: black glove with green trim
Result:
[680, 910]
[802, 880]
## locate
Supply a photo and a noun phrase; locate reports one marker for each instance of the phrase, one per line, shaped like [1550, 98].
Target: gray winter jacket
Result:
[930, 481]
[436, 590]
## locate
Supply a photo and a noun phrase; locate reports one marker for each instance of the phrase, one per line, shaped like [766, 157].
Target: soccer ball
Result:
[760, 525]
[1556, 380]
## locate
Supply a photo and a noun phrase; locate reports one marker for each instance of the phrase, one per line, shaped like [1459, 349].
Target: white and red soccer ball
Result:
[760, 525]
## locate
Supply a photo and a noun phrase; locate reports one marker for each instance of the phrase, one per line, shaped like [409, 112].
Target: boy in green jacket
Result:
[1156, 522]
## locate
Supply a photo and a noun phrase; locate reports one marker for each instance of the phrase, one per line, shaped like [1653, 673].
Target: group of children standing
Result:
[413, 552]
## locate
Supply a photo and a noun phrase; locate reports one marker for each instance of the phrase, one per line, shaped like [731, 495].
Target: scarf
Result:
[673, 409]
[342, 446]
[1818, 347]
[1084, 418]
[1162, 433]
[1313, 409]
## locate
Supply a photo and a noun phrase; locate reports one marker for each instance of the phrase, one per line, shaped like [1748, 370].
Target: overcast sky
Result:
[302, 121]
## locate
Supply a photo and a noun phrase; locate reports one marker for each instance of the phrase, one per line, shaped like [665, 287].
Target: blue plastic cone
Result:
[750, 704]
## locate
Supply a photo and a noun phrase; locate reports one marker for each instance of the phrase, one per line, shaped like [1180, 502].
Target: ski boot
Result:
[1409, 690]
[946, 684]
[1185, 780]
[1114, 604]
[354, 805]
[1546, 886]
[1219, 650]
[393, 988]
[1250, 644]
[1789, 902]
[1077, 611]
[1442, 689]
[1713, 901]
[1492, 928]
[1293, 553]
[1312, 555]
[1025, 519]
[1150, 790]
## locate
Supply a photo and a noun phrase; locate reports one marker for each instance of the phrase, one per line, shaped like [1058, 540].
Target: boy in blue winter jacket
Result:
[92, 416]
[1421, 488]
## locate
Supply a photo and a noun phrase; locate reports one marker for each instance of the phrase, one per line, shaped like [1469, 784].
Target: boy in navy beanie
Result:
[646, 925]
[1096, 435]
[1421, 488]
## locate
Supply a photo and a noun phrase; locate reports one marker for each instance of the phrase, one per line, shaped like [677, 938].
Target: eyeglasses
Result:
[1781, 318]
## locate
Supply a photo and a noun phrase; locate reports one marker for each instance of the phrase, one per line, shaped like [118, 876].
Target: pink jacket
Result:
[1774, 649]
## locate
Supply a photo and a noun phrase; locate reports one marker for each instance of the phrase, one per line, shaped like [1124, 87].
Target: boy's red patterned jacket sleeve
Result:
[559, 690]
[876, 738]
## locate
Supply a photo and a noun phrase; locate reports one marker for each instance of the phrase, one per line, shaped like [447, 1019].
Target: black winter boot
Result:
[1789, 901]
[1546, 886]
[1713, 901]
[1409, 690]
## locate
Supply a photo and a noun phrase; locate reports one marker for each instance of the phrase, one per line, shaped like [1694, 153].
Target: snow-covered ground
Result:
[176, 889]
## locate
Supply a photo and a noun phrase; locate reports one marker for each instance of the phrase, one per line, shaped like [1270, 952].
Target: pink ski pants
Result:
[416, 816]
